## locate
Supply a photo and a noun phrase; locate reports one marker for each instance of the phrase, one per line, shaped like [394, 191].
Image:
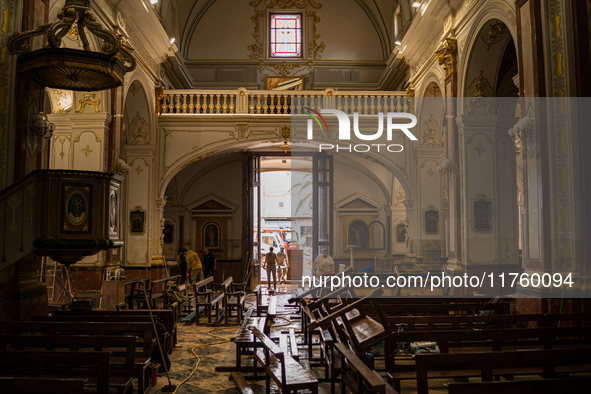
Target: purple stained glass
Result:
[286, 35]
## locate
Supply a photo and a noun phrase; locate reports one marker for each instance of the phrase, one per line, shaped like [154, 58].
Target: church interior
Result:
[134, 133]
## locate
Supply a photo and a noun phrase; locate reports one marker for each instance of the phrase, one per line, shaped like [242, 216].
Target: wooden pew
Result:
[143, 331]
[158, 288]
[233, 298]
[498, 339]
[572, 385]
[487, 365]
[122, 349]
[30, 385]
[208, 298]
[134, 291]
[287, 373]
[358, 377]
[463, 322]
[93, 367]
[469, 341]
[415, 309]
[166, 316]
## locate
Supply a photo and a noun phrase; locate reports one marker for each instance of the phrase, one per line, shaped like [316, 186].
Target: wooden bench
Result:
[415, 309]
[245, 340]
[143, 332]
[357, 376]
[93, 367]
[498, 339]
[241, 383]
[158, 289]
[122, 349]
[166, 316]
[134, 292]
[29, 385]
[572, 385]
[487, 365]
[207, 297]
[469, 341]
[355, 326]
[464, 322]
[287, 373]
[234, 296]
[288, 344]
[316, 310]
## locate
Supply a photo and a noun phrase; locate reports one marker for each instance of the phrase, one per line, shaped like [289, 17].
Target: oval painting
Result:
[76, 208]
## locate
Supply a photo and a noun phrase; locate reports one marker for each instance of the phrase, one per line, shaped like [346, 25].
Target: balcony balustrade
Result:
[272, 102]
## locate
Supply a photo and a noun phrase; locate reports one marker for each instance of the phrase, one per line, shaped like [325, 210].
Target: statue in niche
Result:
[139, 131]
[430, 132]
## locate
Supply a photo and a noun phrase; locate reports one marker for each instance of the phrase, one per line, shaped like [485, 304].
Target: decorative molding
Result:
[139, 132]
[560, 123]
[14, 203]
[241, 132]
[87, 150]
[122, 167]
[89, 98]
[283, 69]
[496, 32]
[447, 55]
[430, 129]
[310, 21]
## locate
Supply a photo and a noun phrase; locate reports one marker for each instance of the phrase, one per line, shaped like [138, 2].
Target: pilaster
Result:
[489, 193]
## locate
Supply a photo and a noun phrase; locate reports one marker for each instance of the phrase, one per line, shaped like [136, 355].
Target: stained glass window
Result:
[286, 35]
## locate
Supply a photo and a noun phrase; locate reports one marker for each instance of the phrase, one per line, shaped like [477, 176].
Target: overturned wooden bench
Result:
[245, 339]
[357, 376]
[287, 373]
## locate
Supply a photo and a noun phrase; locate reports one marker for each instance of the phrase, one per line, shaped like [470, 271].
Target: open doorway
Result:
[284, 215]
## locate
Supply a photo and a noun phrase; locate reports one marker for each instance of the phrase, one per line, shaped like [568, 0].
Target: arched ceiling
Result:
[353, 30]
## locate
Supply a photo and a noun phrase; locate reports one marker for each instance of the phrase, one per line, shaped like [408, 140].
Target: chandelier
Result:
[73, 69]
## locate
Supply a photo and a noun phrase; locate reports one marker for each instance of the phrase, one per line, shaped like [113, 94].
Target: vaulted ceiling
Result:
[353, 30]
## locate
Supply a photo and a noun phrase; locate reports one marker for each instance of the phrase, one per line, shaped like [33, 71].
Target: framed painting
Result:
[211, 236]
[76, 209]
[136, 221]
[401, 233]
[284, 83]
[431, 221]
[168, 232]
[482, 214]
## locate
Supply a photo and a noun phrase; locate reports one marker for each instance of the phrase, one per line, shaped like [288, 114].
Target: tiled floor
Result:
[206, 380]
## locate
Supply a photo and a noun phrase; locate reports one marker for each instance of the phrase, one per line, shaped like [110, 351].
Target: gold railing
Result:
[271, 102]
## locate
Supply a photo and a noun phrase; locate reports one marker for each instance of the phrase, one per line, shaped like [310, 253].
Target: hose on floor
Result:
[223, 340]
